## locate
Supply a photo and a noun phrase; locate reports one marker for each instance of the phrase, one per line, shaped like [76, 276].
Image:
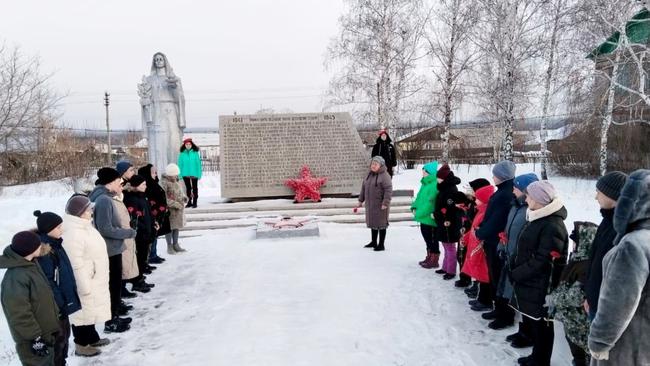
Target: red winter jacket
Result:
[475, 263]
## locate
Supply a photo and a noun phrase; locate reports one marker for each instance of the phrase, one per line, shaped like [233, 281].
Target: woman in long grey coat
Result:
[376, 193]
[618, 334]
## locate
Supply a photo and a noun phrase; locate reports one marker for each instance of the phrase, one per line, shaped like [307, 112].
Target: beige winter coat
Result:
[176, 201]
[129, 260]
[87, 252]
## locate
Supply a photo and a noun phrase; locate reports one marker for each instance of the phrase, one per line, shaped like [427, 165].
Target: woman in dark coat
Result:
[158, 202]
[384, 148]
[376, 193]
[535, 270]
[448, 219]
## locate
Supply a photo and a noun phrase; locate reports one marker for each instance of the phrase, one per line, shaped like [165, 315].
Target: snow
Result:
[235, 300]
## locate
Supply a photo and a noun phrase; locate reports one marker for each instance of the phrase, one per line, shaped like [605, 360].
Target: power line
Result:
[201, 100]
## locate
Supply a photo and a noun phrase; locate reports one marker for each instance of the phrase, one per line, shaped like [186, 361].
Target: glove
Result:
[39, 348]
[600, 355]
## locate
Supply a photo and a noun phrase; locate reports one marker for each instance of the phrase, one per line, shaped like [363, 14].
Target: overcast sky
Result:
[232, 55]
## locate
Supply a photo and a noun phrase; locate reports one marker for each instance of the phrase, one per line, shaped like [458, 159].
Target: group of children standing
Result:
[71, 272]
[511, 239]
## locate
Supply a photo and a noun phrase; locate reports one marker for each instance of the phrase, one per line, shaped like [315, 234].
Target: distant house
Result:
[473, 141]
[208, 144]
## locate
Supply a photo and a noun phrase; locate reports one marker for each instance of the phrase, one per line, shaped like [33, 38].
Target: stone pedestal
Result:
[266, 231]
[259, 152]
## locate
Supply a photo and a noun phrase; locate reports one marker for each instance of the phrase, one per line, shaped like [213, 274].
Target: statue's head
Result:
[160, 62]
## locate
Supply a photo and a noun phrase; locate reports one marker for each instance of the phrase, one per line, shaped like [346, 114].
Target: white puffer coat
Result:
[87, 252]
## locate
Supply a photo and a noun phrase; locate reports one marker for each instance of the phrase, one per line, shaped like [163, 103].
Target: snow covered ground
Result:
[235, 300]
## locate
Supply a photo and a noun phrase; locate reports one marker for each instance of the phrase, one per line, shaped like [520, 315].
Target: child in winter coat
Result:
[423, 208]
[176, 201]
[189, 163]
[475, 263]
[376, 193]
[569, 296]
[58, 271]
[87, 252]
[159, 210]
[467, 205]
[141, 220]
[447, 217]
[28, 302]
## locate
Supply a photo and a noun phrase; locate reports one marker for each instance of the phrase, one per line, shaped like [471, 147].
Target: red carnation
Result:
[152, 202]
[162, 208]
[555, 255]
[130, 209]
[443, 210]
[154, 212]
[139, 213]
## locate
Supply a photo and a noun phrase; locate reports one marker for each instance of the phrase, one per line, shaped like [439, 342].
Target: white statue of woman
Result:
[163, 111]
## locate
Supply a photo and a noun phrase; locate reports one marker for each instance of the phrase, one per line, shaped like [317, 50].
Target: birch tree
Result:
[621, 64]
[450, 49]
[509, 38]
[376, 55]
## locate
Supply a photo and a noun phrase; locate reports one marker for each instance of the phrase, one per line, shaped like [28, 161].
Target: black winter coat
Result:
[386, 150]
[541, 257]
[58, 271]
[603, 242]
[496, 215]
[141, 219]
[446, 210]
[157, 200]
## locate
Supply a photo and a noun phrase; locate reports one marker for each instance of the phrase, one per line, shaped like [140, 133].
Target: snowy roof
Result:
[141, 143]
[200, 139]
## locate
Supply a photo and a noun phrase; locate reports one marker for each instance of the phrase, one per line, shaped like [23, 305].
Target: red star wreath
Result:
[306, 186]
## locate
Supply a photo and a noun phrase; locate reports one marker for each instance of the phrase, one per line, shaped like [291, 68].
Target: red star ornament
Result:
[306, 186]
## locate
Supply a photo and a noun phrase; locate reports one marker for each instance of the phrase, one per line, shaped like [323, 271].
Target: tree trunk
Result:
[547, 90]
[607, 119]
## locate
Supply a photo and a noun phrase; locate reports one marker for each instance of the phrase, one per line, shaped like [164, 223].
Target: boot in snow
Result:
[86, 351]
[379, 248]
[370, 245]
[178, 249]
[170, 249]
[141, 287]
[102, 342]
[115, 326]
[433, 261]
[426, 259]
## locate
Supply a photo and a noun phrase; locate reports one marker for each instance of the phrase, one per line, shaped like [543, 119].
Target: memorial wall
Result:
[259, 152]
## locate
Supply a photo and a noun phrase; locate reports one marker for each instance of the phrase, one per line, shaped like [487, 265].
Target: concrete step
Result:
[219, 216]
[213, 216]
[252, 221]
[285, 205]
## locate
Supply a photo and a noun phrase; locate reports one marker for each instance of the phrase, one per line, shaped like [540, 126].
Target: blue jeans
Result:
[153, 253]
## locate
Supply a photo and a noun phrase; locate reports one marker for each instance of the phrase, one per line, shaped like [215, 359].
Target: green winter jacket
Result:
[27, 299]
[189, 161]
[424, 203]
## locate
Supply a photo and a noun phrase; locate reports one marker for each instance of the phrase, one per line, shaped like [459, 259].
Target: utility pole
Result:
[108, 131]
